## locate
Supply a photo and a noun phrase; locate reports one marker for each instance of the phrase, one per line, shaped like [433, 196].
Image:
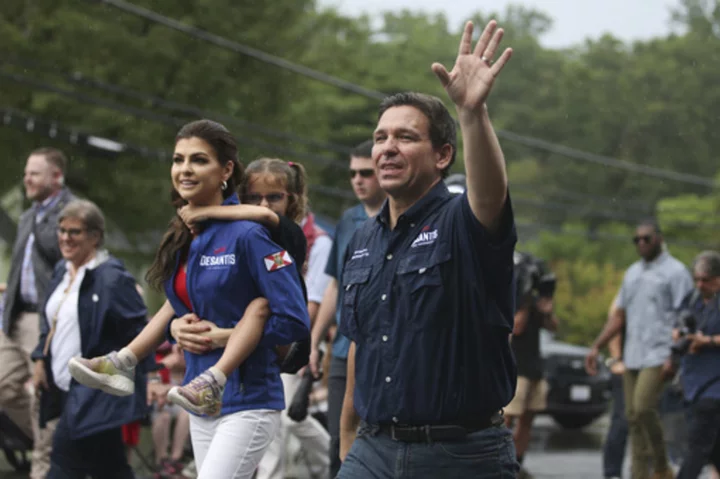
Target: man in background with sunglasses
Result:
[652, 290]
[33, 258]
[367, 190]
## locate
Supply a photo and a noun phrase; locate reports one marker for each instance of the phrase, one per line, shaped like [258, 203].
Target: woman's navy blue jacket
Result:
[111, 313]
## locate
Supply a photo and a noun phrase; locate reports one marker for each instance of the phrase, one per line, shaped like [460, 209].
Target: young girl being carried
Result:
[273, 193]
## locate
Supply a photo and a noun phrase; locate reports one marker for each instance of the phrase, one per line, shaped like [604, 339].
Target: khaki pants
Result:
[530, 395]
[15, 399]
[643, 388]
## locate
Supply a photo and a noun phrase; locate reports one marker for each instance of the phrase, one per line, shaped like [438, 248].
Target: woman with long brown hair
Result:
[227, 271]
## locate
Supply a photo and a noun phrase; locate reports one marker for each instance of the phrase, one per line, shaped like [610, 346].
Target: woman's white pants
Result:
[231, 446]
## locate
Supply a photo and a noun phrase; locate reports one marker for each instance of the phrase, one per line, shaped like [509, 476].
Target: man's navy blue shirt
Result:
[351, 220]
[700, 373]
[430, 306]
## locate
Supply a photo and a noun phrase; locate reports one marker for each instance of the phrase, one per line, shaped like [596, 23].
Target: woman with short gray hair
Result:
[92, 308]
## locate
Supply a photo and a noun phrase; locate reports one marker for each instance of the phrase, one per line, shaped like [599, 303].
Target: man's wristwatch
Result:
[609, 362]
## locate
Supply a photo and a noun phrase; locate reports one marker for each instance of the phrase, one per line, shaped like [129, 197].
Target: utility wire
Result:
[584, 212]
[77, 77]
[161, 118]
[598, 235]
[12, 117]
[243, 49]
[535, 143]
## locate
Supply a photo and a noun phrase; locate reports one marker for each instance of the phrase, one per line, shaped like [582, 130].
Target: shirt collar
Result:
[359, 213]
[231, 200]
[48, 202]
[100, 257]
[437, 194]
[658, 259]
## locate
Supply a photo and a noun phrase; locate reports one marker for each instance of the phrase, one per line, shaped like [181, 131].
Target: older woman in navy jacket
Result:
[92, 308]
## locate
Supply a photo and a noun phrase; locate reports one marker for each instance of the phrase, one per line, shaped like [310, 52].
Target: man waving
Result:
[428, 290]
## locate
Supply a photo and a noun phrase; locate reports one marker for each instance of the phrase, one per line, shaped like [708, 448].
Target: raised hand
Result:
[471, 79]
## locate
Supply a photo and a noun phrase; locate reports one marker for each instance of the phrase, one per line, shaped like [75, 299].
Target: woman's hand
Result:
[218, 336]
[39, 378]
[188, 332]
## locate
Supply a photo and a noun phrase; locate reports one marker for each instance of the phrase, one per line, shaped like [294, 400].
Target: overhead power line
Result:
[79, 78]
[243, 49]
[599, 235]
[12, 117]
[163, 119]
[536, 143]
[28, 122]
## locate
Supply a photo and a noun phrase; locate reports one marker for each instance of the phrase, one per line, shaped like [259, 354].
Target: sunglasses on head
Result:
[256, 199]
[365, 173]
[643, 238]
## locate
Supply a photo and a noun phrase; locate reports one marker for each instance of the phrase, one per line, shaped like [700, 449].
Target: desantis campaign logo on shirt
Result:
[279, 260]
[217, 259]
[425, 237]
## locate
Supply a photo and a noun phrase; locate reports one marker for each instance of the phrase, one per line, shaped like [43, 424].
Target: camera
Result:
[533, 277]
[298, 409]
[687, 324]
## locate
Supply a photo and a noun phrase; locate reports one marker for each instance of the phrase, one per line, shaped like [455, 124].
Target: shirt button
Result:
[422, 270]
[388, 379]
[383, 297]
[412, 225]
[384, 339]
[389, 256]
[395, 419]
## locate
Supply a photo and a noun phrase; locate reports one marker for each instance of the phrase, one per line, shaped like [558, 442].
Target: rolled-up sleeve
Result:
[275, 275]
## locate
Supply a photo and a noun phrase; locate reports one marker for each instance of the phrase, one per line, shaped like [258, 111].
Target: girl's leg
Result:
[239, 443]
[114, 373]
[242, 342]
[152, 335]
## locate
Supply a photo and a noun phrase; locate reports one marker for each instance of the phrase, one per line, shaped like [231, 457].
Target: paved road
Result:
[554, 453]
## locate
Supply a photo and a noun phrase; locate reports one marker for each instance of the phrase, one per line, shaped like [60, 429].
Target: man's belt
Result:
[440, 432]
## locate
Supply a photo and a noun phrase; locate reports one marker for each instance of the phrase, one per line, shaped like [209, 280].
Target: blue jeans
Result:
[703, 439]
[617, 435]
[336, 395]
[485, 454]
[100, 456]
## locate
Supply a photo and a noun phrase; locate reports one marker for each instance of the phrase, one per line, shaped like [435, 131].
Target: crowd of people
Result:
[433, 353]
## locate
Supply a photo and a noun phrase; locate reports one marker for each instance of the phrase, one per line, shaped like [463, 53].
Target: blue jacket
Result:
[230, 264]
[111, 313]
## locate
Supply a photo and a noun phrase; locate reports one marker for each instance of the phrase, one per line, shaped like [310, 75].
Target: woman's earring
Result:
[224, 185]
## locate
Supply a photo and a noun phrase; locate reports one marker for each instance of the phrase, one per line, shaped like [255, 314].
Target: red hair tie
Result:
[290, 163]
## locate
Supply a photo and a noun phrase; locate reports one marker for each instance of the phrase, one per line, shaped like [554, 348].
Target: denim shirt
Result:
[429, 305]
[651, 293]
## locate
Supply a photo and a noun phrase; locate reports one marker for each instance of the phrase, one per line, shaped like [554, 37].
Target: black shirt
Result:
[526, 346]
[290, 236]
[429, 306]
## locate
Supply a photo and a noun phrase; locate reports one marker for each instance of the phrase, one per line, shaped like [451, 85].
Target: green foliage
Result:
[650, 103]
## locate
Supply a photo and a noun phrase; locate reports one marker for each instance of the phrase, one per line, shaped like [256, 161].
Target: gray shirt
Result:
[651, 292]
